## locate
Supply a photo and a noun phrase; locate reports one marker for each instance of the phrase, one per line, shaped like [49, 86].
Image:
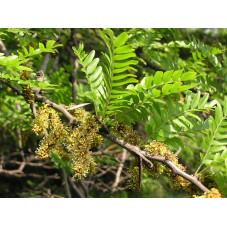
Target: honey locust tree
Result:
[105, 111]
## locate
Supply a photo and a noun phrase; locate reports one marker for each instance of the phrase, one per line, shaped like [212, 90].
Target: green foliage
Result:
[201, 52]
[179, 98]
[215, 144]
[13, 117]
[174, 118]
[109, 77]
[13, 64]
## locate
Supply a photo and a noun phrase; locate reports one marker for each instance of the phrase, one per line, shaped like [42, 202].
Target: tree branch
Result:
[18, 91]
[44, 63]
[61, 109]
[135, 150]
[43, 99]
[177, 171]
[132, 149]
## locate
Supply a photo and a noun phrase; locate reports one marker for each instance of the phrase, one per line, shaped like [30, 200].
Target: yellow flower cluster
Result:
[207, 179]
[78, 113]
[178, 182]
[64, 155]
[159, 149]
[46, 147]
[192, 190]
[97, 140]
[48, 123]
[27, 90]
[51, 143]
[25, 75]
[133, 181]
[155, 171]
[28, 95]
[213, 193]
[78, 143]
[127, 133]
[42, 121]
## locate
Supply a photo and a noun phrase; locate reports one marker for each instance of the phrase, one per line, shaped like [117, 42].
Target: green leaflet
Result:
[146, 82]
[156, 92]
[89, 58]
[122, 76]
[166, 88]
[195, 100]
[188, 76]
[123, 50]
[122, 64]
[158, 77]
[123, 82]
[92, 66]
[167, 76]
[124, 56]
[96, 73]
[203, 100]
[123, 69]
[120, 40]
[177, 74]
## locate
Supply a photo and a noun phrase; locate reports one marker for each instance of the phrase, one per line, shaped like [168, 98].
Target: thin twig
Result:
[33, 109]
[65, 183]
[32, 164]
[84, 187]
[75, 188]
[178, 151]
[118, 174]
[140, 171]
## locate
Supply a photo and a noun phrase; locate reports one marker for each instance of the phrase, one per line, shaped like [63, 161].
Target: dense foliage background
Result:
[189, 115]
